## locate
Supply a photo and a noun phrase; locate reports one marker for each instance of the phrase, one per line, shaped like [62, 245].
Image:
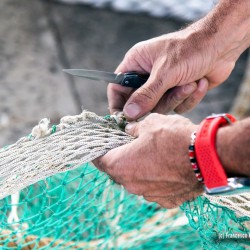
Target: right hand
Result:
[182, 66]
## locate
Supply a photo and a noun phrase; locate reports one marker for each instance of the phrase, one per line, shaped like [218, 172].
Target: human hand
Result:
[182, 66]
[156, 164]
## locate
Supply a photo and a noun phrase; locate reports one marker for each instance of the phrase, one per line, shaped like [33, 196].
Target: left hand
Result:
[156, 164]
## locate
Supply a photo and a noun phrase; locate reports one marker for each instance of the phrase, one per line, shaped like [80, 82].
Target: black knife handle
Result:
[134, 80]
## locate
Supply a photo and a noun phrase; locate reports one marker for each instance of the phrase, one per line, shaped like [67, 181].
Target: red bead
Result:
[194, 167]
[198, 176]
[191, 154]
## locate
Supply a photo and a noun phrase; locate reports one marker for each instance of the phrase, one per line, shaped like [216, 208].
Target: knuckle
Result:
[181, 109]
[148, 122]
[175, 99]
[171, 101]
[99, 164]
[151, 117]
[201, 92]
[111, 87]
[192, 100]
[152, 90]
[103, 166]
[145, 94]
[188, 105]
[130, 53]
[156, 86]
[135, 52]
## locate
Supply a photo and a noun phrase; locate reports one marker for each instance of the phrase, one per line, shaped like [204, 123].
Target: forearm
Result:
[227, 28]
[233, 147]
[231, 22]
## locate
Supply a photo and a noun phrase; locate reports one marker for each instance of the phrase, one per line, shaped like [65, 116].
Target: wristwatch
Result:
[214, 175]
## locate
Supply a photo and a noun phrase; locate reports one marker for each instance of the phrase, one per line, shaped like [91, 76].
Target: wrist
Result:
[225, 30]
[231, 150]
[229, 25]
[189, 143]
[210, 166]
[221, 152]
[222, 141]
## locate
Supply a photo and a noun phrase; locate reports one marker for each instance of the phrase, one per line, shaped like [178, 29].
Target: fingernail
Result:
[129, 126]
[189, 88]
[132, 110]
[203, 83]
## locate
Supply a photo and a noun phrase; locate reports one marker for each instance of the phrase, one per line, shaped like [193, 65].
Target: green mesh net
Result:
[83, 209]
[218, 227]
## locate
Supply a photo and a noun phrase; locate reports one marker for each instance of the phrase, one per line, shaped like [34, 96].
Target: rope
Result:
[63, 147]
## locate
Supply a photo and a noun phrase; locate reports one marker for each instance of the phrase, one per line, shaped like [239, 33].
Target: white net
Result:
[48, 151]
[240, 203]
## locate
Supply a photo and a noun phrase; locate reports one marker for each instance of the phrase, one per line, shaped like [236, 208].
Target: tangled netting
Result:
[47, 151]
[66, 203]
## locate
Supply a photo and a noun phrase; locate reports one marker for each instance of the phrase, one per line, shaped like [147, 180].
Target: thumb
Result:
[133, 128]
[144, 99]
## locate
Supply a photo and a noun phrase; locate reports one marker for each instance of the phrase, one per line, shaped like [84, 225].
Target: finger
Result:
[174, 97]
[117, 94]
[115, 162]
[99, 164]
[136, 59]
[133, 128]
[194, 98]
[128, 64]
[102, 163]
[117, 97]
[144, 99]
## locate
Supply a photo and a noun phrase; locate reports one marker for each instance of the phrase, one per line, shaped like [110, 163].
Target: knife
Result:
[129, 79]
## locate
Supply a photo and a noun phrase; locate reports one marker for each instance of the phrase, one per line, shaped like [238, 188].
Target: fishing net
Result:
[52, 197]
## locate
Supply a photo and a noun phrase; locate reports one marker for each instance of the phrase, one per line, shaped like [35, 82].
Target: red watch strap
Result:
[205, 150]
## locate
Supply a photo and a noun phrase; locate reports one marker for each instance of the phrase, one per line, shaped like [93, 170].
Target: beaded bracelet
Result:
[192, 158]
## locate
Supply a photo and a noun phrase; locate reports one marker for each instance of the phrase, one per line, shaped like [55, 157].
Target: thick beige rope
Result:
[48, 151]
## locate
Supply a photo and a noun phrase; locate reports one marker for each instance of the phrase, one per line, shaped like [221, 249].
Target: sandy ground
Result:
[39, 38]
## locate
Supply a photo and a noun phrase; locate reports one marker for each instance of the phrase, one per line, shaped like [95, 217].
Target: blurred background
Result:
[40, 38]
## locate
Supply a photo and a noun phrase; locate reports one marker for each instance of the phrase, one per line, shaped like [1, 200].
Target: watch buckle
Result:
[224, 115]
[235, 183]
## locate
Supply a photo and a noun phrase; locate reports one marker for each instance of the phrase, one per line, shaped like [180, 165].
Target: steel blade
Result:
[95, 75]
